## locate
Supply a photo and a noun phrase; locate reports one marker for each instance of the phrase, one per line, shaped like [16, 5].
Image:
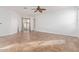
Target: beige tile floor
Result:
[38, 42]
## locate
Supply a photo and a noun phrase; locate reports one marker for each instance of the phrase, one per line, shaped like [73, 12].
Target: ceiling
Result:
[27, 10]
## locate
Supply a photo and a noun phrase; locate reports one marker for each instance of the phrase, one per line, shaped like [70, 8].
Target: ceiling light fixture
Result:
[39, 9]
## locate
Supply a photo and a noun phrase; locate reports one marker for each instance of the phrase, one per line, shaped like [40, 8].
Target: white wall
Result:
[60, 21]
[9, 20]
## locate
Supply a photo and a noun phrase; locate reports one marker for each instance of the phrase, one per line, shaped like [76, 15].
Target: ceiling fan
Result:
[39, 9]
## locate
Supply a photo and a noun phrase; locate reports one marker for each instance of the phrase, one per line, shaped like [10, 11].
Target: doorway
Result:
[26, 25]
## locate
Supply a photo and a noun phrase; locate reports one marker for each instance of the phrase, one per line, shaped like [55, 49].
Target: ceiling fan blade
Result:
[35, 10]
[40, 11]
[43, 9]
